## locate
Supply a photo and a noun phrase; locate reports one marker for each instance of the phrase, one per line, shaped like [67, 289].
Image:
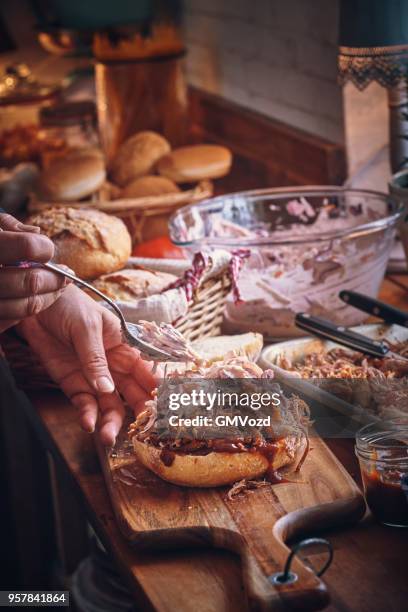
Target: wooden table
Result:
[369, 571]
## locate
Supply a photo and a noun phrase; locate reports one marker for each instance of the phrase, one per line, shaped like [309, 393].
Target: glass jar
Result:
[140, 83]
[73, 121]
[22, 96]
[382, 451]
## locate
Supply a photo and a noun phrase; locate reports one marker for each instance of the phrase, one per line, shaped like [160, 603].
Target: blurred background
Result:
[276, 58]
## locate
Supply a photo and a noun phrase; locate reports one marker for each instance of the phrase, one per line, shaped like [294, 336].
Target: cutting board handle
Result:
[306, 592]
[256, 525]
[260, 563]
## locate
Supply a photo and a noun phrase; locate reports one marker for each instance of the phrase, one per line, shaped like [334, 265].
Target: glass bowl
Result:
[306, 244]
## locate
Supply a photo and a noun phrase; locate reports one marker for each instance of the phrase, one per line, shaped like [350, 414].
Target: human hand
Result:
[80, 344]
[25, 291]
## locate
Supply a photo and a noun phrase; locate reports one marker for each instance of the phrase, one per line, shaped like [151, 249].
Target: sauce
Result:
[167, 457]
[268, 448]
[386, 499]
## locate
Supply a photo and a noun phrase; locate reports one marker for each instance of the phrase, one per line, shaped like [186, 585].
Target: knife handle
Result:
[389, 314]
[340, 334]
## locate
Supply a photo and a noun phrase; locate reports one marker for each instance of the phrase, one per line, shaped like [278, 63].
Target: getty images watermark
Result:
[210, 401]
[218, 408]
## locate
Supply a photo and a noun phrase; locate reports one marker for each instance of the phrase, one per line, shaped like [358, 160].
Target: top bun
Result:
[216, 348]
[146, 186]
[88, 241]
[76, 175]
[195, 163]
[137, 156]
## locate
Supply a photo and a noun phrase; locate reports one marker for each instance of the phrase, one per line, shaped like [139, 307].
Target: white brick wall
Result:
[277, 57]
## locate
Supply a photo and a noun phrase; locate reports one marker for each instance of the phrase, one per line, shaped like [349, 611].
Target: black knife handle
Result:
[389, 314]
[341, 335]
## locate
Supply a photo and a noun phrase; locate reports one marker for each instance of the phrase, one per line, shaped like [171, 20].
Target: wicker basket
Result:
[204, 316]
[136, 211]
[203, 319]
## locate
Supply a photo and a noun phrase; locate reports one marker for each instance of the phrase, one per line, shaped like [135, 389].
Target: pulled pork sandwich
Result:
[208, 459]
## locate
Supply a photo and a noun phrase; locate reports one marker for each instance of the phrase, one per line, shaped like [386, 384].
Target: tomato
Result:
[161, 248]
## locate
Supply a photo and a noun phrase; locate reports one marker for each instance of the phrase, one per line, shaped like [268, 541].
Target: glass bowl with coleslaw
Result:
[306, 244]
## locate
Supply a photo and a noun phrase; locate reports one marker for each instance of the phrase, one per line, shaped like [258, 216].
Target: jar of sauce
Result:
[382, 451]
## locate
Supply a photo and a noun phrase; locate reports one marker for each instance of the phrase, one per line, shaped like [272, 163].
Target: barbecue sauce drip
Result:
[386, 500]
[267, 448]
[167, 457]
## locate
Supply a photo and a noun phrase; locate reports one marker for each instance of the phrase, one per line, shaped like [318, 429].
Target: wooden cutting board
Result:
[155, 514]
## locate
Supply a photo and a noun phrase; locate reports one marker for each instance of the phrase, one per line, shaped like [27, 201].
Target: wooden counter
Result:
[369, 568]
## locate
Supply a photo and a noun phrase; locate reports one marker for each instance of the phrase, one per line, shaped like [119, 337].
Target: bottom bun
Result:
[215, 469]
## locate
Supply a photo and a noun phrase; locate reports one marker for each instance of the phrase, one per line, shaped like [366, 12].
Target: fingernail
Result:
[66, 269]
[105, 385]
[28, 228]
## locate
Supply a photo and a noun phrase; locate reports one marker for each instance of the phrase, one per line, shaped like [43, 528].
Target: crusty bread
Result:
[88, 241]
[214, 469]
[137, 156]
[216, 348]
[240, 345]
[145, 186]
[195, 163]
[74, 176]
[130, 285]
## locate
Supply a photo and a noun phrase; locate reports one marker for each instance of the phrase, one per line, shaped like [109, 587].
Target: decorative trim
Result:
[362, 65]
[391, 50]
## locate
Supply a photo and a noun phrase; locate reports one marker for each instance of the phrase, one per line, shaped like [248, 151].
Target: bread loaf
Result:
[72, 177]
[195, 163]
[137, 156]
[88, 241]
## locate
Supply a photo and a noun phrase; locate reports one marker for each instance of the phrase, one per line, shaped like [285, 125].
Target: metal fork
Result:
[131, 331]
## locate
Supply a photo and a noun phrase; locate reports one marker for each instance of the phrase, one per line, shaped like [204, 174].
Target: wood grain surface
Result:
[152, 514]
[368, 572]
[267, 153]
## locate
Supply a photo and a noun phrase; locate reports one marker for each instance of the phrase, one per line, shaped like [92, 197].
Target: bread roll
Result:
[88, 241]
[195, 163]
[214, 469]
[216, 348]
[145, 186]
[73, 177]
[137, 156]
[241, 345]
[130, 285]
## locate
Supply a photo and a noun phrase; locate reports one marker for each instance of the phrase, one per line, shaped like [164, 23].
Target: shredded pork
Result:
[167, 338]
[242, 486]
[341, 363]
[290, 419]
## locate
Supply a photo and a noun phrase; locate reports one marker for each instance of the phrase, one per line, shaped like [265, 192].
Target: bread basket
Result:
[202, 319]
[205, 310]
[145, 217]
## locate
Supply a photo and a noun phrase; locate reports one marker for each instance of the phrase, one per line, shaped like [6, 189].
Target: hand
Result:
[25, 291]
[80, 344]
